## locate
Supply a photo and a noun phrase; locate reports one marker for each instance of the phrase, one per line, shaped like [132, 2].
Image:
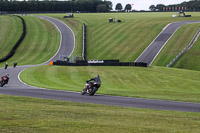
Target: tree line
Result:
[192, 5]
[51, 5]
[119, 7]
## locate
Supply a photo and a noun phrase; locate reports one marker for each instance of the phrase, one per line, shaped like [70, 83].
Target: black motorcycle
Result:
[4, 80]
[92, 86]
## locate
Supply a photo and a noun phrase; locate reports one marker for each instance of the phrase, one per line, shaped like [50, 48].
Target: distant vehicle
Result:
[92, 86]
[4, 80]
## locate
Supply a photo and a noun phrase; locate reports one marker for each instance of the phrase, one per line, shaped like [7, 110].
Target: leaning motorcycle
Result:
[92, 86]
[4, 81]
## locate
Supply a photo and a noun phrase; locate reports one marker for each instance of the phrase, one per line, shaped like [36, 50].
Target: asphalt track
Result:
[159, 42]
[17, 88]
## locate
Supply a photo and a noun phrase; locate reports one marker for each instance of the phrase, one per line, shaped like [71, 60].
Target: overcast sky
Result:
[144, 4]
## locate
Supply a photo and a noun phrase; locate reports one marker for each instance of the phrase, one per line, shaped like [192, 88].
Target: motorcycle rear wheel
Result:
[93, 91]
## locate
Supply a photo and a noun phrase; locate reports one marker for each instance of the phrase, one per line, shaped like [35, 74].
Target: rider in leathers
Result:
[5, 77]
[90, 83]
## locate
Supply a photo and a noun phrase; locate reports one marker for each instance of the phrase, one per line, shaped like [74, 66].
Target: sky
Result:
[144, 4]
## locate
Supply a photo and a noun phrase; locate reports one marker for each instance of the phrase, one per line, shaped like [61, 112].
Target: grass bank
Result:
[125, 40]
[40, 43]
[190, 60]
[19, 114]
[10, 31]
[154, 83]
[76, 26]
[176, 44]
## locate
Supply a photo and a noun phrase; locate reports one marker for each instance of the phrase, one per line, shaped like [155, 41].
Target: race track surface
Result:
[17, 88]
[67, 43]
[159, 42]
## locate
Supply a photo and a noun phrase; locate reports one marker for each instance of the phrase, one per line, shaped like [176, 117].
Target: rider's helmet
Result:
[7, 75]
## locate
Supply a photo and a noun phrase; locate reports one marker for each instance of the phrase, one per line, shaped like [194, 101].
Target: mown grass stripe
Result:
[115, 43]
[176, 44]
[41, 115]
[7, 38]
[40, 44]
[176, 84]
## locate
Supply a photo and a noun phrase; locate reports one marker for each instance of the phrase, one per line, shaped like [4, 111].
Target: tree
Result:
[101, 8]
[152, 8]
[119, 7]
[128, 7]
[160, 7]
[108, 4]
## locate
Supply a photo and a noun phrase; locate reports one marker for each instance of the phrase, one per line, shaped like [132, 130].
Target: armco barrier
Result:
[11, 53]
[100, 63]
[185, 49]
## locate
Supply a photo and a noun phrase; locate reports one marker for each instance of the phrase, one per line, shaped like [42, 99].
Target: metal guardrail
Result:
[185, 49]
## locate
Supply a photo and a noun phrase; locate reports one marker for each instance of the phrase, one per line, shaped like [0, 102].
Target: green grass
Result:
[76, 26]
[124, 41]
[190, 60]
[176, 44]
[108, 40]
[154, 83]
[40, 44]
[10, 31]
[19, 114]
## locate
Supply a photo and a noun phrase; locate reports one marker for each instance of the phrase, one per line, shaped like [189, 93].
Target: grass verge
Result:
[190, 60]
[154, 83]
[20, 114]
[176, 44]
[76, 25]
[39, 45]
[10, 31]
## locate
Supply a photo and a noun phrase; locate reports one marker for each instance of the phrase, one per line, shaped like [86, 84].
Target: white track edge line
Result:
[163, 46]
[54, 55]
[168, 40]
[153, 40]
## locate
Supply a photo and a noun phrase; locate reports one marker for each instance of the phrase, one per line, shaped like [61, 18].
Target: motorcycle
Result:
[92, 86]
[4, 80]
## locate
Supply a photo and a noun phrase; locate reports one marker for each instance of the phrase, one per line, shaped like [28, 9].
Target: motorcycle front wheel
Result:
[1, 83]
[83, 92]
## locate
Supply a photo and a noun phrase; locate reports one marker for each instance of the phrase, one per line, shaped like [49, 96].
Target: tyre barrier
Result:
[11, 53]
[100, 63]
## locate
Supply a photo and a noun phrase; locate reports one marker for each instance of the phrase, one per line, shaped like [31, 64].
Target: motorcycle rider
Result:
[14, 64]
[90, 82]
[5, 77]
[6, 65]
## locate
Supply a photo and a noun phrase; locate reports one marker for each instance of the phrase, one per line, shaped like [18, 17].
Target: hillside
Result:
[176, 44]
[156, 83]
[190, 60]
[40, 44]
[125, 40]
[10, 31]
